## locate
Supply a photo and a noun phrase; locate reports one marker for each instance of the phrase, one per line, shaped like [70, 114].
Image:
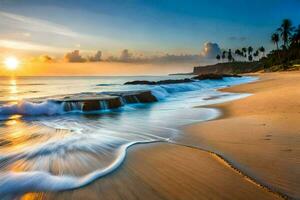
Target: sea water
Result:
[43, 148]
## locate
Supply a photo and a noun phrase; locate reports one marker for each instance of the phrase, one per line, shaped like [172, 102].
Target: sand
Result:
[166, 171]
[259, 135]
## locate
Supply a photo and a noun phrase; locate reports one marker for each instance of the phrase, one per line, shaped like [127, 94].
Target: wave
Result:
[29, 108]
[36, 181]
[160, 92]
[107, 136]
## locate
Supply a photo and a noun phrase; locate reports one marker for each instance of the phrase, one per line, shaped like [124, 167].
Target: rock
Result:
[91, 105]
[135, 96]
[98, 101]
[214, 76]
[186, 80]
[146, 97]
[168, 81]
[114, 103]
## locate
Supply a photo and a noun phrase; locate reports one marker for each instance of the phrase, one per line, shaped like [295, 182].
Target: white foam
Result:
[159, 91]
[35, 181]
[29, 108]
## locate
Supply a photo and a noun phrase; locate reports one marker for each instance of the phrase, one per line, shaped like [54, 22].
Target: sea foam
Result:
[36, 181]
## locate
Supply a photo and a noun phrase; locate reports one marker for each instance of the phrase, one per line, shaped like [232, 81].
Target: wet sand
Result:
[260, 135]
[167, 171]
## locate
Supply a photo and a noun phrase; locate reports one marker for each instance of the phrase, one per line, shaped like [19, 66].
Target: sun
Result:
[11, 63]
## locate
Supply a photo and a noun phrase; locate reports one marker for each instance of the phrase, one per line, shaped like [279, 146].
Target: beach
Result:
[260, 133]
[257, 135]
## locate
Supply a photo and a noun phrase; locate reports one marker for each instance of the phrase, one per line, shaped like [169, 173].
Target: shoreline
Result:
[248, 185]
[259, 132]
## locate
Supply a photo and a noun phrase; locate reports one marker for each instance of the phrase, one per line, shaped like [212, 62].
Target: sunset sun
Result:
[11, 63]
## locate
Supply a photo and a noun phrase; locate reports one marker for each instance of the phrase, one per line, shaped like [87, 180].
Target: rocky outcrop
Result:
[94, 101]
[135, 96]
[186, 80]
[169, 81]
[229, 68]
[214, 76]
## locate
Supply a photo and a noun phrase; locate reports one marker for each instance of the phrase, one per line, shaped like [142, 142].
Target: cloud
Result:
[96, 58]
[74, 56]
[46, 59]
[209, 53]
[22, 45]
[43, 59]
[128, 57]
[210, 50]
[34, 24]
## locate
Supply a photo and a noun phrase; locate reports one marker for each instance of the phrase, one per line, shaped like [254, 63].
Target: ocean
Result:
[45, 148]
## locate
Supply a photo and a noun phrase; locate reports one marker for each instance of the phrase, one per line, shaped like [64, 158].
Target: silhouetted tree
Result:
[238, 52]
[250, 58]
[295, 40]
[256, 54]
[275, 39]
[229, 56]
[285, 31]
[262, 49]
[224, 55]
[250, 49]
[244, 50]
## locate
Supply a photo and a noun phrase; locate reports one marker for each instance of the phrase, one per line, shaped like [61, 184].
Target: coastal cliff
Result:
[229, 68]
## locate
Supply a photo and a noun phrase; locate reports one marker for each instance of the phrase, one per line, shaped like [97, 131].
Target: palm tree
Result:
[256, 53]
[244, 50]
[296, 37]
[224, 55]
[250, 49]
[275, 39]
[262, 49]
[229, 56]
[238, 52]
[285, 31]
[250, 58]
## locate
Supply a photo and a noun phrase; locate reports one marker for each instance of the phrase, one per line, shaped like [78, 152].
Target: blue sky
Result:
[149, 27]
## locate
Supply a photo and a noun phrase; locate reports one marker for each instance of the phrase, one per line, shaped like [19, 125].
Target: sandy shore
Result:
[259, 134]
[166, 171]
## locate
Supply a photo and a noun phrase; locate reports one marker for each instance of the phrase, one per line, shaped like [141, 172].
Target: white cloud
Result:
[74, 56]
[22, 45]
[96, 58]
[210, 50]
[33, 24]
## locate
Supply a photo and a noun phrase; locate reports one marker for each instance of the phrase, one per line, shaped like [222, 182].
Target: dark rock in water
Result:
[169, 81]
[214, 76]
[114, 103]
[91, 105]
[186, 80]
[98, 101]
[140, 83]
[146, 97]
[135, 96]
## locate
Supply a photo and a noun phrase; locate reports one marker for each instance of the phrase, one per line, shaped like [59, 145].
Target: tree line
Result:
[286, 39]
[245, 52]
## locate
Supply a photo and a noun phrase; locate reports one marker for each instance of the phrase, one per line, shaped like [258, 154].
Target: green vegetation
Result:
[284, 57]
[245, 54]
[287, 57]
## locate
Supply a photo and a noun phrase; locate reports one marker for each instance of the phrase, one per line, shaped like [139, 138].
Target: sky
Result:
[148, 37]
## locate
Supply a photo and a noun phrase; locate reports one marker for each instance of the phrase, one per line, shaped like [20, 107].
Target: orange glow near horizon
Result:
[92, 69]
